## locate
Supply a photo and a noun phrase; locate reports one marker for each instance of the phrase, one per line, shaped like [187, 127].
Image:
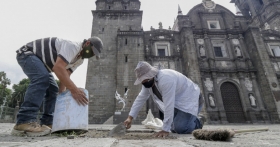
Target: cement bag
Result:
[68, 115]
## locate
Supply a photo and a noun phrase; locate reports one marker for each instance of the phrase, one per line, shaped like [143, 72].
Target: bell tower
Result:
[261, 13]
[111, 19]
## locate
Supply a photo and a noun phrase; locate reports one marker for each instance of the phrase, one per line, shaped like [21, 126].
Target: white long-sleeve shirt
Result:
[177, 91]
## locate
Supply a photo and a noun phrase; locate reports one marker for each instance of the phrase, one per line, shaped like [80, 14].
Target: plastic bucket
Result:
[68, 115]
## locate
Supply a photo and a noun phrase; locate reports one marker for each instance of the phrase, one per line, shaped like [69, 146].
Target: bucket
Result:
[68, 115]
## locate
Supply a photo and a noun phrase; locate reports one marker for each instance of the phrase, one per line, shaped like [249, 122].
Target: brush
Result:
[220, 134]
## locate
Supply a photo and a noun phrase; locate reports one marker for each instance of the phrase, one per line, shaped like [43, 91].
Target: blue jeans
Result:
[184, 123]
[42, 89]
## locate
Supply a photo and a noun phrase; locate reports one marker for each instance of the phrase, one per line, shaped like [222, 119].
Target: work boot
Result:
[32, 129]
[50, 126]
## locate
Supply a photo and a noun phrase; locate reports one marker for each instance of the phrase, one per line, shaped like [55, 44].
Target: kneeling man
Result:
[176, 96]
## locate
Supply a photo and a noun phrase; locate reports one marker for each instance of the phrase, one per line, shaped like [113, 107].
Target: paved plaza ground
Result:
[138, 136]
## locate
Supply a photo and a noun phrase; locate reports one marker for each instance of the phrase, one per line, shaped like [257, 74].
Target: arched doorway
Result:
[232, 103]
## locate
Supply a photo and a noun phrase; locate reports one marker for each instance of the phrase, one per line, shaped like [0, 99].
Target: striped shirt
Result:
[48, 49]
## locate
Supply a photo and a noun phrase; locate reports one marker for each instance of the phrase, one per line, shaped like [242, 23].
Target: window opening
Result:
[275, 50]
[161, 52]
[218, 51]
[213, 25]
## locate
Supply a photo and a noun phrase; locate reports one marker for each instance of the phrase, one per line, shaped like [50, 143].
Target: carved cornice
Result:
[130, 33]
[117, 12]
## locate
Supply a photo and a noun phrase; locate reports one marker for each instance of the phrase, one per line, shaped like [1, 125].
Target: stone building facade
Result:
[235, 59]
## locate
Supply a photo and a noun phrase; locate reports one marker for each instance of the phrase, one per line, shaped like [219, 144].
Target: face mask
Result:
[149, 84]
[87, 52]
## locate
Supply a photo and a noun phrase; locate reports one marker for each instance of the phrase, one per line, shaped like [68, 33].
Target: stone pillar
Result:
[248, 112]
[220, 105]
[259, 100]
[243, 46]
[210, 52]
[266, 76]
[190, 56]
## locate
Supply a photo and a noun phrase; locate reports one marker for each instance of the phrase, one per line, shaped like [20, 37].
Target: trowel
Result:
[118, 130]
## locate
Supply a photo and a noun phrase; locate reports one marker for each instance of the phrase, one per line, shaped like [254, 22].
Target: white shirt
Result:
[68, 51]
[177, 91]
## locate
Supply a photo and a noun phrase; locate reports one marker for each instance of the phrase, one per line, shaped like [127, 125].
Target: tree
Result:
[19, 92]
[4, 91]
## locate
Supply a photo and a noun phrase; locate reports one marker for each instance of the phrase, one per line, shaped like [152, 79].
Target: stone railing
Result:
[130, 32]
[7, 114]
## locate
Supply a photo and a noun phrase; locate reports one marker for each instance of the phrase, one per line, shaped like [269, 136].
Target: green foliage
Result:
[19, 92]
[4, 91]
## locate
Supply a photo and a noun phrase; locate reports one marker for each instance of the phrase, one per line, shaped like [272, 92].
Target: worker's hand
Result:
[128, 122]
[79, 96]
[162, 134]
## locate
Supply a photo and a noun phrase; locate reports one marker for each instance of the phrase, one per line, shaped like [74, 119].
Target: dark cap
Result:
[97, 44]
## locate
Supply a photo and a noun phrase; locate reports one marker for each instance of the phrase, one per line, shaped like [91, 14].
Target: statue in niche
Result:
[202, 51]
[211, 101]
[178, 49]
[252, 100]
[160, 25]
[237, 51]
[266, 26]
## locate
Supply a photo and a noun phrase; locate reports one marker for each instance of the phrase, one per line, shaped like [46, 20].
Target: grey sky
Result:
[23, 21]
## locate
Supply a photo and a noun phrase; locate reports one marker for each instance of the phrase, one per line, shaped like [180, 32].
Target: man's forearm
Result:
[61, 87]
[64, 78]
[130, 117]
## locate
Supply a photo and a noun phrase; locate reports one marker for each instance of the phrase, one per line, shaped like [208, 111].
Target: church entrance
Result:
[232, 103]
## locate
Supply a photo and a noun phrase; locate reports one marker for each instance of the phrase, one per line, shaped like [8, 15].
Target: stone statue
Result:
[178, 48]
[211, 101]
[160, 25]
[266, 26]
[202, 51]
[237, 51]
[252, 100]
[209, 5]
[147, 48]
[120, 99]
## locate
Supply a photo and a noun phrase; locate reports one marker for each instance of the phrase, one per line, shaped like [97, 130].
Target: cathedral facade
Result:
[234, 58]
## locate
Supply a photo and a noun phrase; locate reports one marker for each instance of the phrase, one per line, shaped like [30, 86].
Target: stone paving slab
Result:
[269, 138]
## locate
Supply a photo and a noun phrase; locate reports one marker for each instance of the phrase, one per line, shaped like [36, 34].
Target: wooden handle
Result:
[250, 130]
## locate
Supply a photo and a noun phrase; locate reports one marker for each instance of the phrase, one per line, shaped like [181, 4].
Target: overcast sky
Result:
[23, 21]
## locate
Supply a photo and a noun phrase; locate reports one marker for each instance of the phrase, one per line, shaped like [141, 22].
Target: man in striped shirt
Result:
[38, 59]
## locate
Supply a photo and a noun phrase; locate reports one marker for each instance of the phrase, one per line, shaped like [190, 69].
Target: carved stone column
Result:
[248, 112]
[220, 105]
[260, 103]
